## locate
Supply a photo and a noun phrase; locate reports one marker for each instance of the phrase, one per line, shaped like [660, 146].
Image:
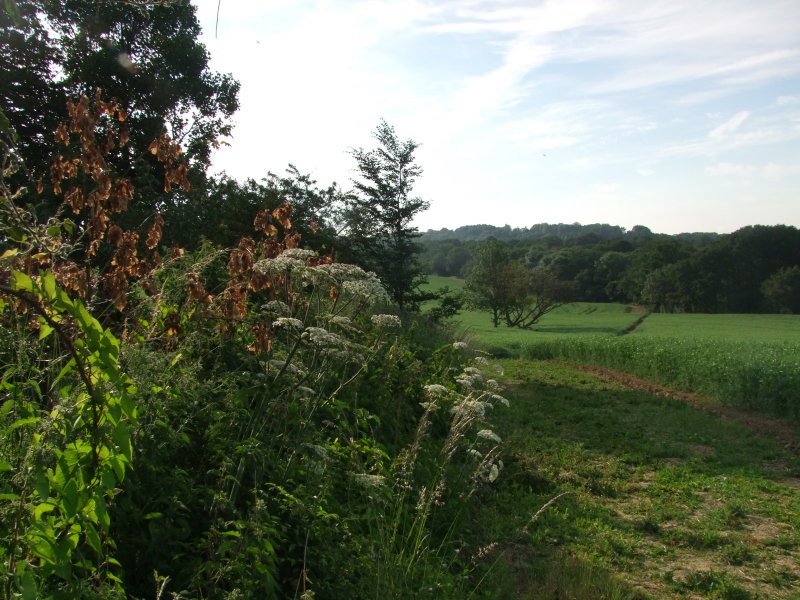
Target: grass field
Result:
[662, 500]
[749, 361]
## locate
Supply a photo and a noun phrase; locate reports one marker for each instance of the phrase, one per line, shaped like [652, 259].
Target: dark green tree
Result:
[143, 54]
[487, 282]
[378, 217]
[782, 290]
[531, 294]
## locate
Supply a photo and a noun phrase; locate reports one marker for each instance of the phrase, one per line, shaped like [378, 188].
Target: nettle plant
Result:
[66, 407]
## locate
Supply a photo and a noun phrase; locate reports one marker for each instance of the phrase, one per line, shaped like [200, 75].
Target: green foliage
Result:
[380, 236]
[67, 444]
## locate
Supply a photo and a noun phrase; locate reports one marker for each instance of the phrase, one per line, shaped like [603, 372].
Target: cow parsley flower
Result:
[288, 322]
[488, 434]
[460, 345]
[434, 389]
[386, 321]
[501, 400]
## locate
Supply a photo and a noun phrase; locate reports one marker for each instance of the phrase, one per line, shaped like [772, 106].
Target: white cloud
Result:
[726, 169]
[787, 100]
[778, 171]
[731, 125]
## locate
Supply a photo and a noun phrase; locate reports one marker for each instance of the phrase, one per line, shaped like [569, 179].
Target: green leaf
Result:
[26, 583]
[92, 537]
[23, 423]
[44, 328]
[4, 466]
[21, 282]
[48, 284]
[43, 508]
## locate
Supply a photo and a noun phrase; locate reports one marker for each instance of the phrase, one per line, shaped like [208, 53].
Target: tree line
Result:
[754, 269]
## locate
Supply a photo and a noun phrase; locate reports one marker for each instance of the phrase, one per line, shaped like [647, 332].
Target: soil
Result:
[764, 426]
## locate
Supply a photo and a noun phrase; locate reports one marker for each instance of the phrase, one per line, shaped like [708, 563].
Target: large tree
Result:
[143, 54]
[378, 219]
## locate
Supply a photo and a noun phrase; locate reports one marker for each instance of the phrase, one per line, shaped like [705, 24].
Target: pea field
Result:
[747, 361]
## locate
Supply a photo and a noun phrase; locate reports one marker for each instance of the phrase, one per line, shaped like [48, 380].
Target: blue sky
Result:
[678, 115]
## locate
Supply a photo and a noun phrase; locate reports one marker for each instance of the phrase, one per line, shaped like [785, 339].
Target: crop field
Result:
[654, 498]
[748, 361]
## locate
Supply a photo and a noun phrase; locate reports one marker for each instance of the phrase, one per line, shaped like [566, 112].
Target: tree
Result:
[486, 279]
[782, 290]
[531, 294]
[143, 54]
[378, 217]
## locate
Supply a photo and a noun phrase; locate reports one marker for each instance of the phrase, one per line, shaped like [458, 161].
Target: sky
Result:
[677, 115]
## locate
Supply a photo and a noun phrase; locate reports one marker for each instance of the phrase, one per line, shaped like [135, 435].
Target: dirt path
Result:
[761, 425]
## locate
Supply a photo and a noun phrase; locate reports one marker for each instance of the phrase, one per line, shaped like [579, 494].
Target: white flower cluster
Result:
[369, 290]
[279, 265]
[386, 321]
[340, 320]
[481, 360]
[277, 307]
[434, 389]
[460, 345]
[501, 400]
[280, 365]
[298, 253]
[488, 434]
[288, 322]
[335, 346]
[322, 337]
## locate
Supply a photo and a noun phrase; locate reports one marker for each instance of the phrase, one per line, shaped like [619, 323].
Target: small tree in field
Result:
[379, 216]
[486, 279]
[533, 294]
[513, 293]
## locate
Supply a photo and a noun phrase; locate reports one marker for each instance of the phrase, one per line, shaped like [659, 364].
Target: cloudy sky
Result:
[678, 115]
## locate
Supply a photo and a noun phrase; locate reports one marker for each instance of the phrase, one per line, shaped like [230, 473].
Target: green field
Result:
[749, 361]
[661, 500]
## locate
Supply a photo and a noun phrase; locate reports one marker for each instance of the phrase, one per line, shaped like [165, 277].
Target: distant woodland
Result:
[754, 269]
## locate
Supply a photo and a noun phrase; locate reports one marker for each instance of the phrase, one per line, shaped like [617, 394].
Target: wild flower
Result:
[386, 321]
[471, 407]
[322, 337]
[488, 434]
[501, 400]
[340, 320]
[435, 389]
[305, 390]
[298, 253]
[472, 371]
[475, 453]
[288, 322]
[277, 307]
[282, 365]
[464, 380]
[492, 384]
[369, 481]
[278, 265]
[460, 345]
[369, 290]
[481, 360]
